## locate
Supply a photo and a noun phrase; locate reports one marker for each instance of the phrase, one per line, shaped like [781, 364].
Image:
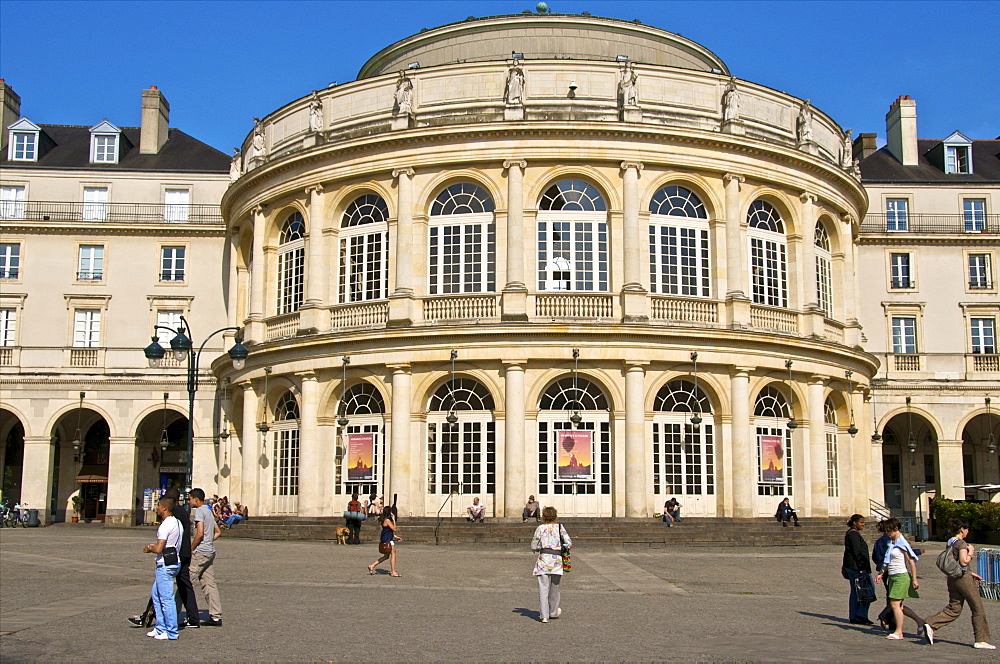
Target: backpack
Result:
[947, 562]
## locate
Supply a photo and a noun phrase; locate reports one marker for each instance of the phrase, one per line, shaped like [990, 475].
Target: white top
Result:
[897, 562]
[169, 530]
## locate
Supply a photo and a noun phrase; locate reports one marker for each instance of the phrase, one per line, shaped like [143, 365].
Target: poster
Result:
[772, 459]
[574, 456]
[360, 457]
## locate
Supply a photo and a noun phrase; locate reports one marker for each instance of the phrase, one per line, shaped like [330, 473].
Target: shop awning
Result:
[92, 475]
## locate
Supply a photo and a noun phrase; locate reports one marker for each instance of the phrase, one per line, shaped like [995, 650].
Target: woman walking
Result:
[855, 567]
[962, 590]
[549, 540]
[900, 573]
[387, 543]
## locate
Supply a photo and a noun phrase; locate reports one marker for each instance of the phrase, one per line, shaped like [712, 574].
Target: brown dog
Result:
[342, 534]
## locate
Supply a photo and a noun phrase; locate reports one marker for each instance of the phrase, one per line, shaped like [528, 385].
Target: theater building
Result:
[543, 254]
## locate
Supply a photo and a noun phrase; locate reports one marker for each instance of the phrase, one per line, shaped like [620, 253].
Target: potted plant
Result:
[77, 507]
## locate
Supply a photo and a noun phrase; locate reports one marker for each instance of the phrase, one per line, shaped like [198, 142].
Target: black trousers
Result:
[789, 516]
[185, 591]
[354, 526]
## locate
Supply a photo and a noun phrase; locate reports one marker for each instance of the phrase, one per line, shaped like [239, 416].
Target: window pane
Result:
[10, 261]
[91, 263]
[904, 335]
[980, 274]
[8, 320]
[172, 261]
[984, 335]
[11, 202]
[900, 271]
[896, 218]
[974, 213]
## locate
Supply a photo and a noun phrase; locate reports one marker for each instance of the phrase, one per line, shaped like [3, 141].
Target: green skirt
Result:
[900, 586]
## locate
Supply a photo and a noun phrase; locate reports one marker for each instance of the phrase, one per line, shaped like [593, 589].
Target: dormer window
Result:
[957, 154]
[23, 141]
[105, 143]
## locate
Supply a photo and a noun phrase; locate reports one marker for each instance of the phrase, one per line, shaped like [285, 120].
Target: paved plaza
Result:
[66, 590]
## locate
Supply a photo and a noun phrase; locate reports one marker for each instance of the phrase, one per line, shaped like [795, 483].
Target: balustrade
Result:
[684, 310]
[367, 314]
[767, 318]
[282, 326]
[460, 307]
[574, 306]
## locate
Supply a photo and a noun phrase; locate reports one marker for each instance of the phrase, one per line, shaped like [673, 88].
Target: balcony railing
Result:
[110, 213]
[361, 314]
[989, 363]
[934, 224]
[460, 307]
[767, 318]
[683, 310]
[574, 306]
[282, 326]
[906, 362]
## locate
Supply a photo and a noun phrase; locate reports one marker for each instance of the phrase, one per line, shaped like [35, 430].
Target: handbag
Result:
[385, 547]
[865, 589]
[567, 562]
[170, 557]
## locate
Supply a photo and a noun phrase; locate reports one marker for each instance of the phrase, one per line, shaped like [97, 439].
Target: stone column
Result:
[514, 301]
[310, 494]
[807, 286]
[398, 480]
[851, 292]
[36, 476]
[951, 472]
[250, 450]
[311, 318]
[122, 464]
[634, 300]
[515, 464]
[744, 454]
[636, 504]
[817, 472]
[255, 328]
[232, 293]
[737, 301]
[401, 300]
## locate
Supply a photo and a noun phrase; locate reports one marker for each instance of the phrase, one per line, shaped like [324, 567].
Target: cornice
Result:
[131, 230]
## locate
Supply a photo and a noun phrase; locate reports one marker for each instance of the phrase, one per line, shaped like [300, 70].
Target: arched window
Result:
[360, 456]
[572, 238]
[824, 270]
[832, 468]
[768, 255]
[462, 235]
[285, 476]
[461, 456]
[287, 408]
[571, 393]
[774, 443]
[291, 263]
[679, 254]
[683, 454]
[574, 458]
[364, 399]
[364, 242]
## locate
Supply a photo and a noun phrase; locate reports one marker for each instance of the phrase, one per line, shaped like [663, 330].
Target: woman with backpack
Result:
[549, 540]
[962, 589]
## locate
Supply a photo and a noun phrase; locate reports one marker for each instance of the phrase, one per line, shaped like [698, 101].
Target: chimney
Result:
[10, 111]
[155, 117]
[865, 146]
[901, 130]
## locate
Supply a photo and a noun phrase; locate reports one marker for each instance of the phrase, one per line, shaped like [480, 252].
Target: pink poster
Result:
[574, 458]
[772, 459]
[360, 457]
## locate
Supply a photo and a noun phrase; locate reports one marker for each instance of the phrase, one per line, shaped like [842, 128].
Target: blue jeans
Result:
[163, 600]
[856, 610]
[233, 519]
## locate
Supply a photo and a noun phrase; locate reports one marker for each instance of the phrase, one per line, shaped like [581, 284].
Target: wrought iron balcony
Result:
[110, 213]
[931, 224]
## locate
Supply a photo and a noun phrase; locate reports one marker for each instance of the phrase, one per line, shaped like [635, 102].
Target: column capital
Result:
[817, 378]
[636, 365]
[400, 367]
[808, 197]
[736, 372]
[308, 374]
[637, 165]
[950, 443]
[314, 188]
[731, 177]
[259, 210]
[38, 440]
[847, 218]
[520, 163]
[406, 170]
[516, 365]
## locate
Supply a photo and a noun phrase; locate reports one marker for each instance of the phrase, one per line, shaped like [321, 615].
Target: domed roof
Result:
[543, 36]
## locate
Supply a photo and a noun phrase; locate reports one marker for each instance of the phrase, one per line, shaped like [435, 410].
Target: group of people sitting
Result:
[227, 515]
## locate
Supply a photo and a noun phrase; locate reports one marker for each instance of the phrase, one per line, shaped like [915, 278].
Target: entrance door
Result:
[684, 466]
[574, 464]
[892, 481]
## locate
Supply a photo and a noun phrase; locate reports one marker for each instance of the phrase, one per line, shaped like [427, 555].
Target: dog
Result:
[342, 535]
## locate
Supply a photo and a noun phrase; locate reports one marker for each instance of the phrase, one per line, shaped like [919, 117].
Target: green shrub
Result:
[981, 516]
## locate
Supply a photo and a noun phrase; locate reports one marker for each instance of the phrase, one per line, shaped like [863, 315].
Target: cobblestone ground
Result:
[66, 590]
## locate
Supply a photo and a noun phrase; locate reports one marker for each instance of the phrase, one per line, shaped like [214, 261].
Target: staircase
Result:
[589, 532]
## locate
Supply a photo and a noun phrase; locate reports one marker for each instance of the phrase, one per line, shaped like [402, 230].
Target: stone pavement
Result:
[66, 590]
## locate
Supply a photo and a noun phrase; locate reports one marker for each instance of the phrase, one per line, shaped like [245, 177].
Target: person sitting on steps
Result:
[477, 511]
[672, 511]
[531, 509]
[785, 514]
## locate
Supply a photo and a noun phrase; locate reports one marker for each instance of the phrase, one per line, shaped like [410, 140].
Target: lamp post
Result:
[181, 347]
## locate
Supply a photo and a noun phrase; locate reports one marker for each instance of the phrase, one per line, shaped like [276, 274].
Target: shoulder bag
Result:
[567, 562]
[865, 589]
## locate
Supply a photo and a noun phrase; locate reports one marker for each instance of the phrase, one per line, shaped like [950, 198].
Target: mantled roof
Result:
[180, 153]
[881, 166]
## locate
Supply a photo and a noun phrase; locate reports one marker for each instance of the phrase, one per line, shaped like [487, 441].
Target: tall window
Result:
[11, 202]
[177, 204]
[956, 159]
[974, 214]
[683, 454]
[285, 478]
[560, 400]
[904, 335]
[291, 264]
[364, 245]
[572, 238]
[678, 244]
[95, 203]
[24, 146]
[105, 149]
[832, 467]
[169, 318]
[91, 265]
[984, 338]
[461, 456]
[10, 260]
[768, 255]
[980, 271]
[771, 414]
[897, 214]
[172, 260]
[8, 326]
[824, 270]
[364, 407]
[900, 270]
[462, 241]
[86, 328]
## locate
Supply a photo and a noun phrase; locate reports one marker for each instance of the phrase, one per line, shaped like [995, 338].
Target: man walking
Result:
[184, 588]
[168, 540]
[203, 554]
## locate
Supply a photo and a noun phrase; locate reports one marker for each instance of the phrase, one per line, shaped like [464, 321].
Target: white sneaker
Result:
[161, 637]
[982, 645]
[558, 612]
[152, 632]
[545, 620]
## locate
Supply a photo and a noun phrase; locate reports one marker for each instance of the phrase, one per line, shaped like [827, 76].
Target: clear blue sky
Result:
[221, 63]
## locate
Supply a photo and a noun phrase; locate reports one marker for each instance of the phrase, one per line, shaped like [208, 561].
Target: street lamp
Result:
[852, 430]
[696, 418]
[181, 347]
[792, 424]
[576, 417]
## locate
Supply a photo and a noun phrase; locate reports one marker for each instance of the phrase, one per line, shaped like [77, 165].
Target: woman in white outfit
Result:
[549, 540]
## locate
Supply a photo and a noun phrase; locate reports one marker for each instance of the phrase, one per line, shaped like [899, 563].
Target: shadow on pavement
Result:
[527, 613]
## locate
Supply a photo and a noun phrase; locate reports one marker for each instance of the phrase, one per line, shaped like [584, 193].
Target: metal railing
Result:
[437, 526]
[881, 512]
[931, 223]
[111, 213]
